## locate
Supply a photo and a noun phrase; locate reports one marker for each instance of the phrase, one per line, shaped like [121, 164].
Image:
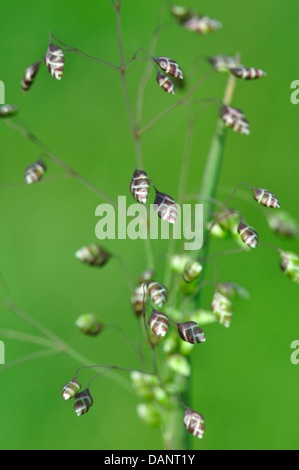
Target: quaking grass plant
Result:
[169, 309]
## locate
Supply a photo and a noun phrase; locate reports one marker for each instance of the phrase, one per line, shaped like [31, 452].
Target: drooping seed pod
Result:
[223, 63]
[35, 172]
[169, 66]
[266, 198]
[182, 14]
[202, 24]
[54, 59]
[232, 290]
[71, 389]
[83, 402]
[146, 276]
[248, 235]
[289, 263]
[165, 207]
[247, 73]
[89, 324]
[94, 255]
[235, 119]
[195, 423]
[29, 76]
[191, 333]
[165, 83]
[139, 186]
[158, 323]
[139, 294]
[283, 224]
[192, 271]
[158, 293]
[222, 309]
[8, 110]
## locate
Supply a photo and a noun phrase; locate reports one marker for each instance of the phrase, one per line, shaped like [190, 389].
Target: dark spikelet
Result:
[247, 73]
[139, 186]
[71, 389]
[8, 110]
[191, 333]
[265, 198]
[235, 119]
[248, 235]
[165, 83]
[54, 59]
[158, 293]
[89, 324]
[195, 423]
[165, 207]
[35, 172]
[94, 255]
[169, 66]
[29, 76]
[158, 323]
[83, 402]
[192, 271]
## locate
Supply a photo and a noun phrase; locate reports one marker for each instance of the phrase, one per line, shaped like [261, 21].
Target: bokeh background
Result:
[243, 380]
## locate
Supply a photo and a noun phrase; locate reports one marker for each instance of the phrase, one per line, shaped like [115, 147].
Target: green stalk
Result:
[176, 437]
[214, 162]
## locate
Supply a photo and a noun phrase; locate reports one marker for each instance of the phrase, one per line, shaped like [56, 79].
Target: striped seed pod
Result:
[247, 73]
[289, 263]
[248, 235]
[165, 207]
[158, 293]
[192, 271]
[146, 276]
[158, 323]
[202, 24]
[35, 172]
[71, 389]
[54, 59]
[191, 333]
[266, 198]
[83, 401]
[195, 423]
[180, 13]
[139, 294]
[93, 255]
[29, 75]
[222, 63]
[222, 309]
[235, 119]
[169, 66]
[165, 83]
[283, 224]
[7, 110]
[89, 324]
[139, 186]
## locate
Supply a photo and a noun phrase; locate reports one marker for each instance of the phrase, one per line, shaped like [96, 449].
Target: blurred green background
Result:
[243, 381]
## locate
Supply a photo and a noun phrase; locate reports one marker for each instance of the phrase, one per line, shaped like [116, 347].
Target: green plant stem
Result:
[214, 163]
